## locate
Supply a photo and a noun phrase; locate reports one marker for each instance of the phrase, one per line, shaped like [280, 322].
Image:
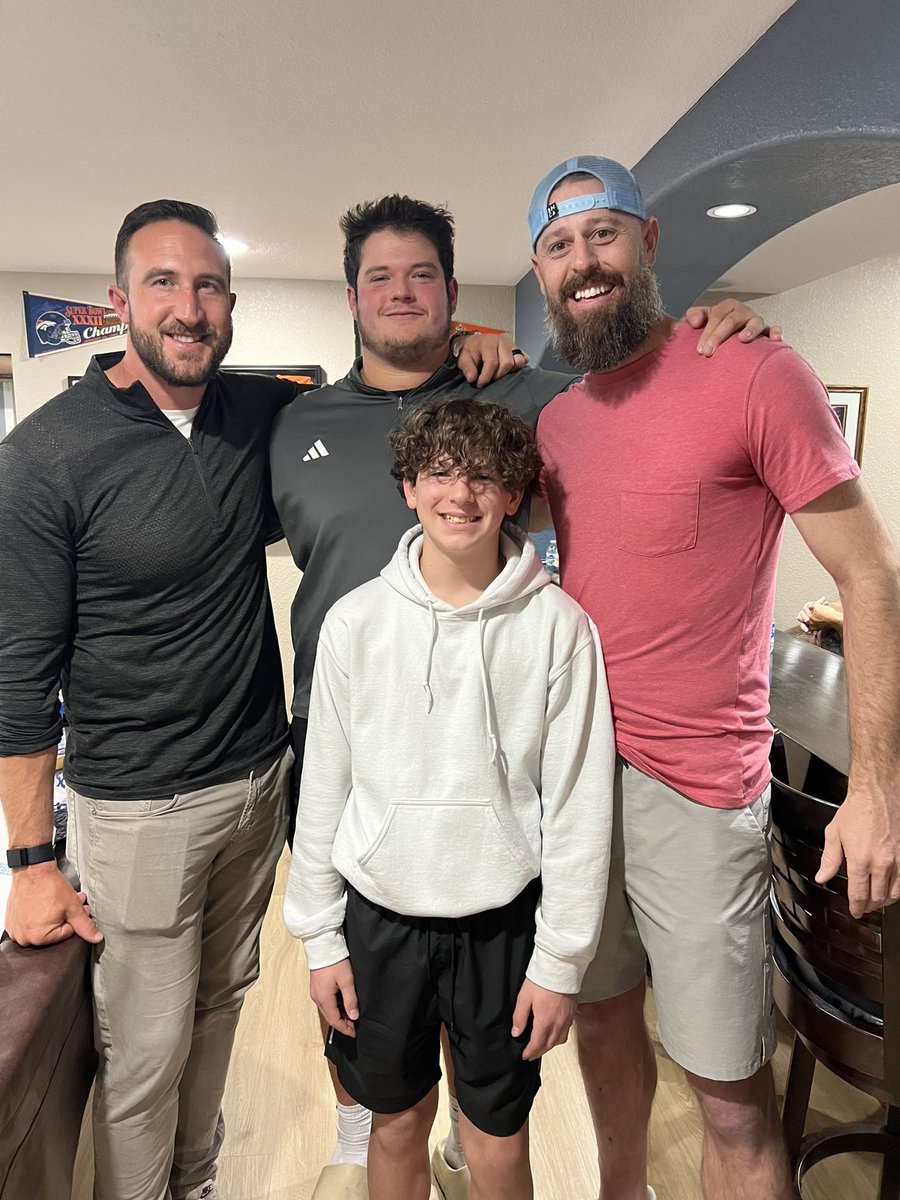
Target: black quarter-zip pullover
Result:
[132, 574]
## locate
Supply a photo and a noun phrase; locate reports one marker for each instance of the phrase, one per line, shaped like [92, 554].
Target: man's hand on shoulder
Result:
[44, 908]
[724, 320]
[485, 357]
[552, 1015]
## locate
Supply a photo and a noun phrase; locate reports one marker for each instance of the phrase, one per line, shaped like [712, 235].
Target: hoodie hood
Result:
[522, 574]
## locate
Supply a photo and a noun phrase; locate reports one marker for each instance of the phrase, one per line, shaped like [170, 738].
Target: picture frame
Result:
[7, 396]
[306, 378]
[7, 407]
[849, 406]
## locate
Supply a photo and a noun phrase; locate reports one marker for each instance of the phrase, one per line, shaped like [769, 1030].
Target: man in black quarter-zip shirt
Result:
[132, 575]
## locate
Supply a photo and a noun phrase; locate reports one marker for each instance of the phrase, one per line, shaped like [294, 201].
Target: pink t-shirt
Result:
[668, 481]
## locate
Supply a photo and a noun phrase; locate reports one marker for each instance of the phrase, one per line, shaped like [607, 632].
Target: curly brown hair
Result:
[473, 436]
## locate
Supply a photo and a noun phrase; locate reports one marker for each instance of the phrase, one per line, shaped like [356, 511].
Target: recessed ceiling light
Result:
[730, 211]
[233, 246]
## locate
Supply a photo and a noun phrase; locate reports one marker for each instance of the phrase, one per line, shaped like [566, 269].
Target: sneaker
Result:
[341, 1181]
[452, 1183]
[205, 1191]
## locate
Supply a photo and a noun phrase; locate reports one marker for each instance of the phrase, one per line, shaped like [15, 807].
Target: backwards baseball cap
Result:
[621, 192]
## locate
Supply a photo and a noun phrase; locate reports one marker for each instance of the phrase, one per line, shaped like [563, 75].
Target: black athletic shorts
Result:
[414, 974]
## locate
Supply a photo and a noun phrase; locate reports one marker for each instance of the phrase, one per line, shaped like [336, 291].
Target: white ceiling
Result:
[280, 115]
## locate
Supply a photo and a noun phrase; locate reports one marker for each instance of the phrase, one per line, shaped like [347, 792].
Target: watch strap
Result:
[30, 856]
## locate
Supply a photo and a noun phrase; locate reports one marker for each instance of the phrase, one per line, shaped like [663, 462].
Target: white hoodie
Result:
[453, 755]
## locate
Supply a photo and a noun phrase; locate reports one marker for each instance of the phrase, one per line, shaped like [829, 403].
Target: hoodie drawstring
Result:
[429, 695]
[491, 731]
[486, 692]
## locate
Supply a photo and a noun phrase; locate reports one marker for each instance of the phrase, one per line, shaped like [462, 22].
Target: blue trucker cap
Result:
[621, 192]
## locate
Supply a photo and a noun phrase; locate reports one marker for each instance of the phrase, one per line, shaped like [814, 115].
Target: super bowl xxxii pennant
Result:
[52, 324]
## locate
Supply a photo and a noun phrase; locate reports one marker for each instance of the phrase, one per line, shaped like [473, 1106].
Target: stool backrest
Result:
[858, 959]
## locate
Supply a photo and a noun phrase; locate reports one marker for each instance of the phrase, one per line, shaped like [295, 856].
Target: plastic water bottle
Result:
[551, 560]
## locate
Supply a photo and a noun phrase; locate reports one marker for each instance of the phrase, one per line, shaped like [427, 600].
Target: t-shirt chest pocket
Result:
[659, 521]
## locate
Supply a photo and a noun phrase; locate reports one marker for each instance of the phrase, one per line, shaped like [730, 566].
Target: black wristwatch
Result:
[30, 856]
[458, 339]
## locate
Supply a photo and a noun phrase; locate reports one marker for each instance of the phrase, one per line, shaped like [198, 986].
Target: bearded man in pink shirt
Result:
[668, 476]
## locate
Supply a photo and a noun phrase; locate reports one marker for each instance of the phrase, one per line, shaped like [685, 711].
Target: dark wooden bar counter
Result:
[808, 699]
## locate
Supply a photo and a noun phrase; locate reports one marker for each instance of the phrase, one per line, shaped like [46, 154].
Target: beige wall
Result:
[277, 321]
[846, 326]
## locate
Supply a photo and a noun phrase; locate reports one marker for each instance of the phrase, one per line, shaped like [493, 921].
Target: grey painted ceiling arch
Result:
[788, 180]
[808, 117]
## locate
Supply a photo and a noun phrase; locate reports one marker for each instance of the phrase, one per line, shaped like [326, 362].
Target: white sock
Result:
[651, 1195]
[354, 1124]
[453, 1151]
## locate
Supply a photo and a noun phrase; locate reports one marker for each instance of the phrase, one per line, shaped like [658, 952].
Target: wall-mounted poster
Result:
[849, 404]
[53, 324]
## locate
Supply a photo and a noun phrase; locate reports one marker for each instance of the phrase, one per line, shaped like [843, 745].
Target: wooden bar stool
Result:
[837, 981]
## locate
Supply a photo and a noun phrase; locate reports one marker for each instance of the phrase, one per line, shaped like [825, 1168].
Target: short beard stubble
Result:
[406, 355]
[188, 372]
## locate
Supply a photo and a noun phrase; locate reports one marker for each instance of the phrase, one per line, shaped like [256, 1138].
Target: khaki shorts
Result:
[688, 891]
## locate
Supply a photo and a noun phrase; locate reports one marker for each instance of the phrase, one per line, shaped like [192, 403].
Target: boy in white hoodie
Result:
[452, 844]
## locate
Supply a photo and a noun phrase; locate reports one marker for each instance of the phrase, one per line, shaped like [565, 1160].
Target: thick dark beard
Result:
[606, 336]
[149, 348]
[406, 355]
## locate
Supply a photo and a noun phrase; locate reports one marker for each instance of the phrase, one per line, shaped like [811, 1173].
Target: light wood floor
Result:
[279, 1107]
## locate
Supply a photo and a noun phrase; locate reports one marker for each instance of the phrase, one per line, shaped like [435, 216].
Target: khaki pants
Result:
[178, 886]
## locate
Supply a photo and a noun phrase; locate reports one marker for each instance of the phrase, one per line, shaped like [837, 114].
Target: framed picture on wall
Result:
[305, 377]
[849, 404]
[7, 407]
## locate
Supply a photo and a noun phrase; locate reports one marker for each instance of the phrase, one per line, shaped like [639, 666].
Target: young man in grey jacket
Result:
[452, 847]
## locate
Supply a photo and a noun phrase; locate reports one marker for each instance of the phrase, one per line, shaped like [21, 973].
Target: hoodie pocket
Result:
[445, 857]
